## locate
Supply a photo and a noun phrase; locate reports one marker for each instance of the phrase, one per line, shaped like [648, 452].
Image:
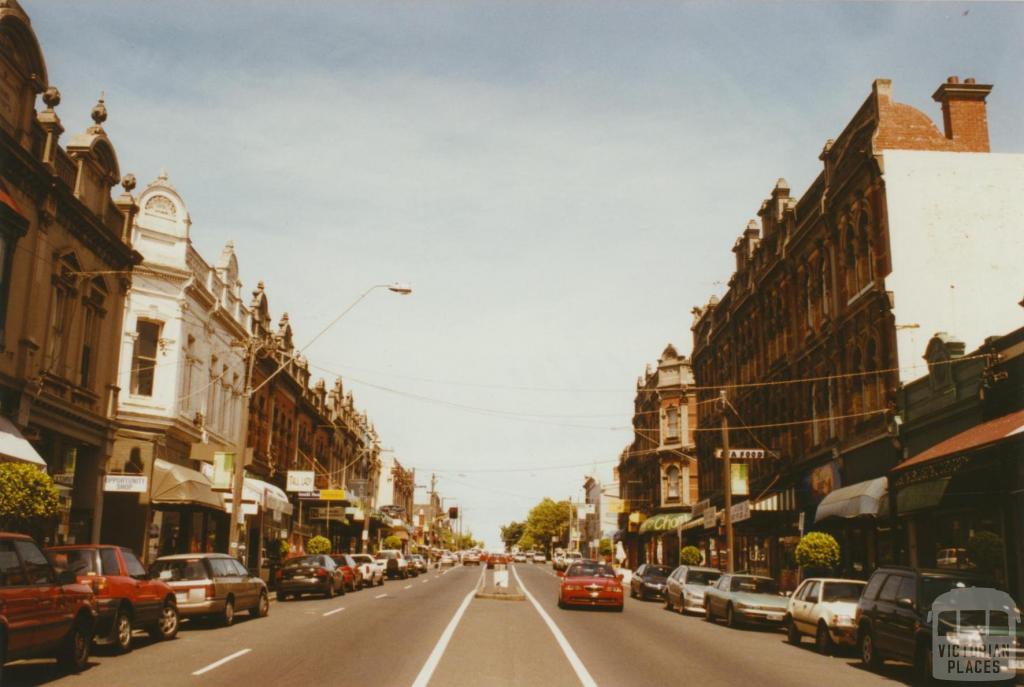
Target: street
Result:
[390, 636]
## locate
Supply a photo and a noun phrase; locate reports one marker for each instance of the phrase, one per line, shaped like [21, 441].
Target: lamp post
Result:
[252, 346]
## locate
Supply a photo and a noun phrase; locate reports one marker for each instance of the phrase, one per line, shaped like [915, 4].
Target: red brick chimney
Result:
[963, 113]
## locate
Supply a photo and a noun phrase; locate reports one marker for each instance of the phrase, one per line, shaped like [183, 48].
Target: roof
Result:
[979, 436]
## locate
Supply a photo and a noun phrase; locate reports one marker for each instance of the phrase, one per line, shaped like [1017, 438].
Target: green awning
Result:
[663, 522]
[921, 496]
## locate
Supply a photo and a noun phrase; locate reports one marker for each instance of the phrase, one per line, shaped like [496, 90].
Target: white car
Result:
[371, 569]
[448, 560]
[539, 558]
[826, 609]
[685, 587]
[519, 557]
[394, 562]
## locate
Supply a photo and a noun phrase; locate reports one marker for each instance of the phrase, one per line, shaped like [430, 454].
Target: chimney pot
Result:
[969, 80]
[953, 79]
[964, 115]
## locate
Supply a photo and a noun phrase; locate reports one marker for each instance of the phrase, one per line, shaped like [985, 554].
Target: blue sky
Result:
[560, 182]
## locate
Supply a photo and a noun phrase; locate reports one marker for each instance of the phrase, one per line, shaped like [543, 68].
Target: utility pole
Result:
[237, 517]
[726, 483]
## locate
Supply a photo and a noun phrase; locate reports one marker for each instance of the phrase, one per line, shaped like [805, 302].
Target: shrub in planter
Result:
[318, 544]
[690, 555]
[391, 542]
[817, 550]
[28, 499]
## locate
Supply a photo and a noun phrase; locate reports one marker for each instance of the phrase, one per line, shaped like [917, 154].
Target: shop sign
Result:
[126, 483]
[701, 506]
[740, 511]
[301, 480]
[740, 481]
[710, 518]
[586, 509]
[743, 453]
[313, 495]
[325, 513]
[332, 494]
[614, 505]
[223, 470]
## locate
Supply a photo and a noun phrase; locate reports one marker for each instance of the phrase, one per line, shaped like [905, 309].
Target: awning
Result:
[15, 447]
[179, 485]
[977, 437]
[271, 496]
[663, 522]
[862, 498]
[921, 496]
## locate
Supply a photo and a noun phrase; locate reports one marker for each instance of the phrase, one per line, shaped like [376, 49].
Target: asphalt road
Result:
[432, 631]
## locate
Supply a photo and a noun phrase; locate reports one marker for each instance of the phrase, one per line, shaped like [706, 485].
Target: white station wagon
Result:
[826, 609]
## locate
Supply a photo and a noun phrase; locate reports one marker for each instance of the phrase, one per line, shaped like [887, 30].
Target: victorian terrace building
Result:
[833, 298]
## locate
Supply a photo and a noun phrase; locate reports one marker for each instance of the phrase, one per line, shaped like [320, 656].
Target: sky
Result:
[560, 183]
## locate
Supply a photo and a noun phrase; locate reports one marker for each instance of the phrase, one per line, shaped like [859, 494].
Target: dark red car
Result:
[497, 559]
[42, 612]
[590, 583]
[351, 571]
[126, 596]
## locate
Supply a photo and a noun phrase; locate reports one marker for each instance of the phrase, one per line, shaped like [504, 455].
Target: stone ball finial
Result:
[51, 96]
[128, 182]
[99, 112]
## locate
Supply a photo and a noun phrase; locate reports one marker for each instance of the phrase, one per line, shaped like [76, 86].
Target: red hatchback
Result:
[126, 596]
[350, 570]
[590, 583]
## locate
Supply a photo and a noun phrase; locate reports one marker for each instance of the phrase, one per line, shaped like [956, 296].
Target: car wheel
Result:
[122, 632]
[822, 640]
[74, 652]
[561, 604]
[330, 589]
[792, 633]
[227, 617]
[868, 653]
[262, 606]
[668, 603]
[923, 664]
[167, 626]
[730, 616]
[618, 609]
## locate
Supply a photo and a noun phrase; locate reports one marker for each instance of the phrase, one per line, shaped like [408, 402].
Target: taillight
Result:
[210, 591]
[321, 572]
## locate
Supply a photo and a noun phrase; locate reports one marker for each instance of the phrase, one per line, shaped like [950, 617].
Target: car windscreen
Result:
[78, 561]
[657, 571]
[177, 569]
[754, 585]
[381, 555]
[842, 591]
[702, 577]
[932, 587]
[590, 570]
[301, 561]
[362, 558]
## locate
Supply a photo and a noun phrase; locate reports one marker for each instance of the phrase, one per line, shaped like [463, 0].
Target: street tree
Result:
[512, 533]
[549, 519]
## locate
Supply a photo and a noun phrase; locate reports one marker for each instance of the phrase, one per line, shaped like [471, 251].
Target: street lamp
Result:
[254, 345]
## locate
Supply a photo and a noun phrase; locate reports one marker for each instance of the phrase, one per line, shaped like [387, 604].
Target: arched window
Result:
[672, 478]
[94, 311]
[64, 280]
[826, 283]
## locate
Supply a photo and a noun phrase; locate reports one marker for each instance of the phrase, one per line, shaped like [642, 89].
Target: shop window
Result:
[144, 357]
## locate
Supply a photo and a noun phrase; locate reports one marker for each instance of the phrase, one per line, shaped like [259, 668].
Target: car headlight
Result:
[844, 620]
[615, 590]
[572, 587]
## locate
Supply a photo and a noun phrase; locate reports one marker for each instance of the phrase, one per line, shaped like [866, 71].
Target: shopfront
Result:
[660, 534]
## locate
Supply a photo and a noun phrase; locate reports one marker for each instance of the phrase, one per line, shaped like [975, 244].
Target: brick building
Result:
[819, 323]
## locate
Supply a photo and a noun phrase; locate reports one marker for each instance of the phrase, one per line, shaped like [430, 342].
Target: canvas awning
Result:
[271, 497]
[15, 447]
[862, 498]
[980, 436]
[178, 485]
[663, 522]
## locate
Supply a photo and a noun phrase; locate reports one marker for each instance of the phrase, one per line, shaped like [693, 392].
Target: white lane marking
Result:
[336, 610]
[425, 581]
[380, 596]
[217, 664]
[408, 586]
[581, 671]
[427, 671]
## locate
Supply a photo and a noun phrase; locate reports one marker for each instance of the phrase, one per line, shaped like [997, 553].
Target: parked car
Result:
[310, 574]
[591, 584]
[892, 614]
[745, 599]
[685, 587]
[351, 572]
[418, 562]
[371, 569]
[126, 596]
[471, 558]
[648, 582]
[448, 560]
[539, 557]
[395, 564]
[824, 608]
[212, 585]
[568, 558]
[44, 612]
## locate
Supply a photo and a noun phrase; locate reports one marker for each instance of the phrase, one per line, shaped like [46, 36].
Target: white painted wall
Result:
[956, 223]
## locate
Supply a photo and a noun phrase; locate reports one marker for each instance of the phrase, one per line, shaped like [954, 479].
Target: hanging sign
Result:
[710, 518]
[223, 470]
[740, 481]
[301, 480]
[742, 453]
[740, 511]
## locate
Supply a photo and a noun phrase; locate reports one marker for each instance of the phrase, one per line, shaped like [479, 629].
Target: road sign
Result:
[744, 453]
[740, 511]
[301, 480]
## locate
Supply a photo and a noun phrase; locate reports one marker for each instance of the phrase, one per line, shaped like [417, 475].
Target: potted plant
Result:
[318, 544]
[690, 555]
[817, 554]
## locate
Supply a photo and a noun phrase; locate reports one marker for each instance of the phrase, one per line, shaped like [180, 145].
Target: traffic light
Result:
[453, 513]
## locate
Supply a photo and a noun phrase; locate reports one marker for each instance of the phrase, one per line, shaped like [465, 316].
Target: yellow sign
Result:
[616, 506]
[637, 517]
[332, 494]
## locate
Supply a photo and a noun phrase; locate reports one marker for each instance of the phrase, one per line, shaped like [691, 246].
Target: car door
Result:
[716, 598]
[250, 585]
[148, 593]
[19, 602]
[637, 581]
[52, 619]
[795, 607]
[805, 607]
[885, 615]
[904, 619]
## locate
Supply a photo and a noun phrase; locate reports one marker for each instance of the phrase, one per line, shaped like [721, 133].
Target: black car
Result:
[892, 614]
[310, 575]
[649, 581]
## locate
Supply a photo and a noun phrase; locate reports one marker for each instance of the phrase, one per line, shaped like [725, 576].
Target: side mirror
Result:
[905, 603]
[66, 577]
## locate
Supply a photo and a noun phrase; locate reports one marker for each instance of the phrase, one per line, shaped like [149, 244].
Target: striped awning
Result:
[664, 522]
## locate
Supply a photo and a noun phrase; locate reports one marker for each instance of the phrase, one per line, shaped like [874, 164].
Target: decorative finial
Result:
[51, 96]
[128, 182]
[163, 174]
[99, 111]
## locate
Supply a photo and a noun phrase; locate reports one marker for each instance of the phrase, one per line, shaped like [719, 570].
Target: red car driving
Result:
[590, 583]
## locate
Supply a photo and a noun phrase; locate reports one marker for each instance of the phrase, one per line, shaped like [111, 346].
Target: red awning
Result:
[976, 437]
[8, 200]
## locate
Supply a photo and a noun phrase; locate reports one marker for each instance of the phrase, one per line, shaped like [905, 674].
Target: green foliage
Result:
[817, 550]
[391, 542]
[526, 542]
[318, 544]
[604, 547]
[512, 533]
[549, 519]
[28, 499]
[283, 548]
[985, 550]
[690, 555]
